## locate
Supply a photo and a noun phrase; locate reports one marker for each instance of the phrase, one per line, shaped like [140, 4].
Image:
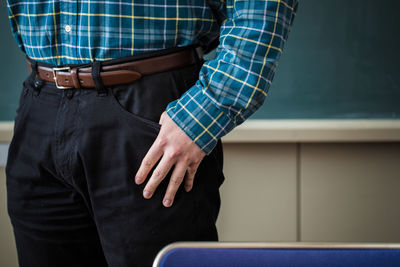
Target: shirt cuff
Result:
[200, 118]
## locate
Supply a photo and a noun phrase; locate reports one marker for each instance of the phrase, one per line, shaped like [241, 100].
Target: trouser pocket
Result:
[148, 97]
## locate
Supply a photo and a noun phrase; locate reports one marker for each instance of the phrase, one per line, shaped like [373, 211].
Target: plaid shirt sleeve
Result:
[233, 86]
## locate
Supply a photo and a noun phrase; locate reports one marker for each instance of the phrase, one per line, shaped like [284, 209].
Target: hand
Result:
[175, 148]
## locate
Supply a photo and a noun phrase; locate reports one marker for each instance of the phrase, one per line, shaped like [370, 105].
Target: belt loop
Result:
[98, 83]
[199, 54]
[35, 82]
[34, 72]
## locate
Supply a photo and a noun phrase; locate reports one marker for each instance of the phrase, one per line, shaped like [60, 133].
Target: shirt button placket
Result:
[67, 28]
[67, 22]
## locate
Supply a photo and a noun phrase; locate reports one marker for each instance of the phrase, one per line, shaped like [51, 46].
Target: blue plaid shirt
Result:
[230, 88]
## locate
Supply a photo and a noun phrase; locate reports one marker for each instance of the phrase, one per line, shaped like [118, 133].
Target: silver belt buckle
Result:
[68, 69]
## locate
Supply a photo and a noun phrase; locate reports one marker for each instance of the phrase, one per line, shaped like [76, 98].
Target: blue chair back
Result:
[210, 254]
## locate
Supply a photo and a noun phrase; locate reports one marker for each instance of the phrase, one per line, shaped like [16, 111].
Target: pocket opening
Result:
[130, 115]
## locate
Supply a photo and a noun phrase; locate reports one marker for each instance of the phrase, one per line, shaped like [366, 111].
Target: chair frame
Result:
[284, 245]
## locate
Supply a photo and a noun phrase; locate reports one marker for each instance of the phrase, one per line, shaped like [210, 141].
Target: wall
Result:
[336, 192]
[295, 191]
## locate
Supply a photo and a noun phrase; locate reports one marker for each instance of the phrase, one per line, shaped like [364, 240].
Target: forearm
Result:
[233, 86]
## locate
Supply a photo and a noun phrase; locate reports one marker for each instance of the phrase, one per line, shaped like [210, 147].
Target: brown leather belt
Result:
[81, 77]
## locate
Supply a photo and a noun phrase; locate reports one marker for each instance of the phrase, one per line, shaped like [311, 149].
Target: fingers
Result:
[190, 174]
[174, 183]
[158, 175]
[174, 147]
[151, 158]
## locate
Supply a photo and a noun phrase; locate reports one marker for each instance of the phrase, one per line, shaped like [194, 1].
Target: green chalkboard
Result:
[342, 61]
[12, 68]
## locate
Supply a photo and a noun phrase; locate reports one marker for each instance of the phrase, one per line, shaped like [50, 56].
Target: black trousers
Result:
[70, 173]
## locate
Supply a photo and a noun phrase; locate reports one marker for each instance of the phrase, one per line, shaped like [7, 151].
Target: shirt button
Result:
[67, 28]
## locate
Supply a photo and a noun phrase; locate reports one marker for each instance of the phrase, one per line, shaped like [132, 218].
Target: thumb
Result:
[162, 117]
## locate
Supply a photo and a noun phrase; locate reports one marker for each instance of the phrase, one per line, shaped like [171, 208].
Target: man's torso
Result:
[76, 32]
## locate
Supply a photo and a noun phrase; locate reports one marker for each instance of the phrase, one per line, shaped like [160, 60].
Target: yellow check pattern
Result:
[230, 88]
[233, 86]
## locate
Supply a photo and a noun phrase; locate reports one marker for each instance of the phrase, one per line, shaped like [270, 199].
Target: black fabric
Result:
[34, 65]
[213, 45]
[70, 172]
[33, 80]
[98, 83]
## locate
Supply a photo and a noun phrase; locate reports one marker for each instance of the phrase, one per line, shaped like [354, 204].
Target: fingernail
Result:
[187, 188]
[146, 194]
[137, 179]
[167, 202]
